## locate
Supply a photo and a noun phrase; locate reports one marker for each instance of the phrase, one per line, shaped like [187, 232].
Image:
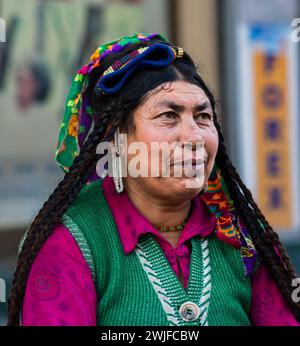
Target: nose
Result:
[190, 133]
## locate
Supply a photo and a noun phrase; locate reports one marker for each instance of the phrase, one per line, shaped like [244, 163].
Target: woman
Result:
[148, 250]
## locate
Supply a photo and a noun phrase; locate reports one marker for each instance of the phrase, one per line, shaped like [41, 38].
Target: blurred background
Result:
[246, 50]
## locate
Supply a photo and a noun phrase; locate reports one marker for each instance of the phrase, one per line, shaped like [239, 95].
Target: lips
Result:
[189, 163]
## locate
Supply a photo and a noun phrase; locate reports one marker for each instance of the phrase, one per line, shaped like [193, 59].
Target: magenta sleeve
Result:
[268, 307]
[60, 289]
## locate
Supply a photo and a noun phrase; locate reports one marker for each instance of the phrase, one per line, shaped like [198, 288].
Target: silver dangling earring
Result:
[117, 162]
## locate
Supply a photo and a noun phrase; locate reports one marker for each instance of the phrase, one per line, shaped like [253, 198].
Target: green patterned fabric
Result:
[78, 116]
[141, 288]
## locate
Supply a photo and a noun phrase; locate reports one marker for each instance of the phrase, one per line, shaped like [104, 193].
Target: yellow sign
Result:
[271, 91]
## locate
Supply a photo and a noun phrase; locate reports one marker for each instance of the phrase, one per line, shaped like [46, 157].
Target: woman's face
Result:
[178, 112]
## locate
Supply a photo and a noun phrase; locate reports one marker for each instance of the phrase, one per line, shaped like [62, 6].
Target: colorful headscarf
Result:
[78, 120]
[78, 117]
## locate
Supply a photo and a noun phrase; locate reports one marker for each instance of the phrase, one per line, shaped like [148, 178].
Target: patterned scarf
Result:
[230, 228]
[78, 116]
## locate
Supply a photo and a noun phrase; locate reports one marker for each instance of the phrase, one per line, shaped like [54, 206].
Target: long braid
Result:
[50, 215]
[265, 238]
[248, 196]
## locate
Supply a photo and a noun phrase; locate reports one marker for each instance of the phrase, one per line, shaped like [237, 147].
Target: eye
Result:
[168, 115]
[204, 116]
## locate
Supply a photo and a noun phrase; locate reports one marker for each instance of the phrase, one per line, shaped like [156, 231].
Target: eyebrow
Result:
[178, 108]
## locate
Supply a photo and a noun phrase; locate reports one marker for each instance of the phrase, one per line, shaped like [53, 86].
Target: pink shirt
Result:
[60, 289]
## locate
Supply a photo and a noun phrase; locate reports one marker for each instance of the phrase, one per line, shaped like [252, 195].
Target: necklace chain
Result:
[172, 228]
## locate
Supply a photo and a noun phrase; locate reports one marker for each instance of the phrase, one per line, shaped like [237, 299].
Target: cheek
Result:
[150, 133]
[211, 141]
[211, 146]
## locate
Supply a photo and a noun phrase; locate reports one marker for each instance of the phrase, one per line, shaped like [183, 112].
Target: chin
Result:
[188, 187]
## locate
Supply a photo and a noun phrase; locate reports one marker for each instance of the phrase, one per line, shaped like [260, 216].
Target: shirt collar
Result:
[131, 223]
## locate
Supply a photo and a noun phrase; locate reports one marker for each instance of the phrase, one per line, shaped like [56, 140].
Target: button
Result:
[189, 311]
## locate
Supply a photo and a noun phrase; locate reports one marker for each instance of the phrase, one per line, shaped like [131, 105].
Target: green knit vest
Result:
[141, 288]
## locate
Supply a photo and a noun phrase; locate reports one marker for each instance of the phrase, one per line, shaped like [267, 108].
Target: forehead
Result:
[181, 92]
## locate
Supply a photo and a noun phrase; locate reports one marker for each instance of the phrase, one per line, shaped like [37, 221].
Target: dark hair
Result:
[111, 111]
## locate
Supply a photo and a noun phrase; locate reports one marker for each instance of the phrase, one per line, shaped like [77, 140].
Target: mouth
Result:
[190, 164]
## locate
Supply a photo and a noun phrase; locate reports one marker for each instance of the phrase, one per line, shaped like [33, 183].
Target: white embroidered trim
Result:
[162, 295]
[157, 285]
[206, 292]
